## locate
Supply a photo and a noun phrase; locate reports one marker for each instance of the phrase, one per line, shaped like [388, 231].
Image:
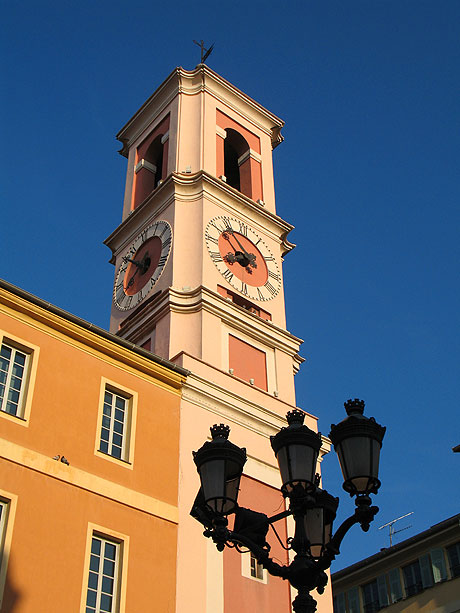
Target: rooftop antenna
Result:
[391, 523]
[205, 53]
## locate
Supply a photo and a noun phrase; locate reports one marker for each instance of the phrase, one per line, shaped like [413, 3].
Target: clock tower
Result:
[198, 280]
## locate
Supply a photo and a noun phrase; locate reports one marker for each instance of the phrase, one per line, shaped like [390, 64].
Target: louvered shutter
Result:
[425, 569]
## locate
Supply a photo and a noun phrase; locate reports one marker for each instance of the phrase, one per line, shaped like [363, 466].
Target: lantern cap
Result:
[356, 424]
[219, 431]
[296, 433]
[220, 448]
[354, 407]
[295, 417]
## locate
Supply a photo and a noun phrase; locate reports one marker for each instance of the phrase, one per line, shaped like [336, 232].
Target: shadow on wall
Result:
[11, 595]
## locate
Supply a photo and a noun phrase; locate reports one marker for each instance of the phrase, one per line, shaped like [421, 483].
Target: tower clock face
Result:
[142, 265]
[242, 258]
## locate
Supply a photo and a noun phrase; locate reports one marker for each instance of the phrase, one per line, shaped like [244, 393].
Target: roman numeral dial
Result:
[242, 258]
[142, 265]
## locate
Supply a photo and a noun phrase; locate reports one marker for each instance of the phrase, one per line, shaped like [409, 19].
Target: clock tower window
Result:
[151, 162]
[238, 159]
[235, 146]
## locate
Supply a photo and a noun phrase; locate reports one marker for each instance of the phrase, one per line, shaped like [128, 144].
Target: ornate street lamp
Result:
[357, 441]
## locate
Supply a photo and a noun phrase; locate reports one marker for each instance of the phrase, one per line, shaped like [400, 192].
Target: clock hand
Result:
[126, 259]
[131, 281]
[143, 265]
[248, 259]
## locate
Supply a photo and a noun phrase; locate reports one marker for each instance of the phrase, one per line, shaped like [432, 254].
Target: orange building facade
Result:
[88, 487]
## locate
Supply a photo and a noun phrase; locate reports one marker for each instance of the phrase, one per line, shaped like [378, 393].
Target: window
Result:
[104, 570]
[354, 605]
[371, 597]
[395, 585]
[114, 427]
[3, 519]
[151, 162]
[339, 603]
[438, 565]
[453, 553]
[412, 578]
[257, 570]
[13, 379]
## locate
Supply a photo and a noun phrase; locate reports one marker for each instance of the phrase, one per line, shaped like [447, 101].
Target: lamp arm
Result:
[363, 515]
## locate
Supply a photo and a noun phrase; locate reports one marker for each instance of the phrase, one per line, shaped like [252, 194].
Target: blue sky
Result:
[368, 174]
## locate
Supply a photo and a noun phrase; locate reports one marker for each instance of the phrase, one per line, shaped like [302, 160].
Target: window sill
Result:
[115, 460]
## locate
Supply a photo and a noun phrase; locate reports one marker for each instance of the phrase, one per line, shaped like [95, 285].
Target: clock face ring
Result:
[243, 258]
[142, 265]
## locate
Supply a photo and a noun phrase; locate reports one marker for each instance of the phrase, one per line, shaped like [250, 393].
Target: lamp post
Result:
[357, 441]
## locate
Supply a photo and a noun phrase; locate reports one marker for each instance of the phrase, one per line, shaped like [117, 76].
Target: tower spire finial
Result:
[205, 53]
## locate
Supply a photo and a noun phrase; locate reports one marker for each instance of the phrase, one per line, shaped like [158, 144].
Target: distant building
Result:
[420, 574]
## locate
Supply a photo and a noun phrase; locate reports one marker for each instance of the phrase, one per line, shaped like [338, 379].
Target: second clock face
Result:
[243, 258]
[142, 265]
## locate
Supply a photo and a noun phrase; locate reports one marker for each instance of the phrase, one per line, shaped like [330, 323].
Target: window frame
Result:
[246, 569]
[418, 585]
[374, 597]
[122, 543]
[128, 440]
[32, 353]
[9, 503]
[453, 566]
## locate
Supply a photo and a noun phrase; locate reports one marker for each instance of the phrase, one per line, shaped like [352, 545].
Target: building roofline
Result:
[17, 291]
[387, 552]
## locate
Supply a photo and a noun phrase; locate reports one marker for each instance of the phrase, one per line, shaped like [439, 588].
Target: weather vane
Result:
[205, 53]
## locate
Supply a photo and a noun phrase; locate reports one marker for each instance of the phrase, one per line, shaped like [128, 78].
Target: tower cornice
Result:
[183, 187]
[192, 82]
[202, 298]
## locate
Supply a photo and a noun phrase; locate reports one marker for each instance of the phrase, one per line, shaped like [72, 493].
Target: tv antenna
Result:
[391, 524]
[205, 53]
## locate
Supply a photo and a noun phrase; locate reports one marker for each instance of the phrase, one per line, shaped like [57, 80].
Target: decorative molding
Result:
[221, 132]
[147, 165]
[165, 137]
[231, 314]
[250, 153]
[200, 80]
[76, 477]
[181, 187]
[238, 409]
[91, 339]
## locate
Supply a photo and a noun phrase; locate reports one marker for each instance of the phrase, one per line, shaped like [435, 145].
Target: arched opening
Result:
[154, 155]
[235, 146]
[150, 169]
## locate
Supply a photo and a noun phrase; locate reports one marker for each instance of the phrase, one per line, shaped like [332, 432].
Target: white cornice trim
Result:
[192, 82]
[147, 165]
[189, 187]
[234, 316]
[250, 153]
[233, 407]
